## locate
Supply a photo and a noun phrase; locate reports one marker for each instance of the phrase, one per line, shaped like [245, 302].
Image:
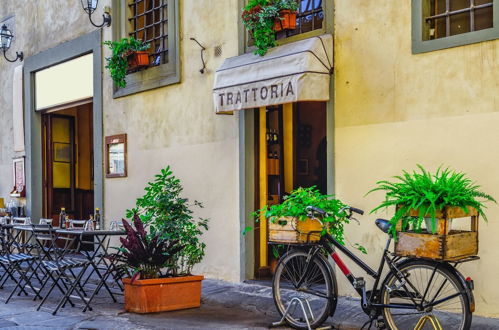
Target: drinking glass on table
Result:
[89, 225]
[27, 221]
[114, 225]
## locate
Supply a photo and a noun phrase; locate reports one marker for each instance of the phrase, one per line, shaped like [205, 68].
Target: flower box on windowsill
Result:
[137, 60]
[286, 21]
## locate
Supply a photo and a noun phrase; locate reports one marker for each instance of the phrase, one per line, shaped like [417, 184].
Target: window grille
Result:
[451, 17]
[149, 22]
[310, 17]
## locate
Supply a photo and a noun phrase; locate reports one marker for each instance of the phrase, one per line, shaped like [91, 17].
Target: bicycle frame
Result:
[357, 282]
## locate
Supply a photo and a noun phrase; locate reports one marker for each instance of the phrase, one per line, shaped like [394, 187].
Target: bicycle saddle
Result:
[383, 224]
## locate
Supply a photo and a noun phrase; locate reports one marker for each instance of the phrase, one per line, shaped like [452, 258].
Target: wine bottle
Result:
[62, 218]
[97, 219]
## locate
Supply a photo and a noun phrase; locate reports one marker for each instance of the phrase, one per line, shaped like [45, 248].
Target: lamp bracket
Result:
[203, 49]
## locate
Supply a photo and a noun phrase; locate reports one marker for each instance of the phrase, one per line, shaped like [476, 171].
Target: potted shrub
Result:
[422, 196]
[291, 214]
[162, 249]
[127, 54]
[261, 17]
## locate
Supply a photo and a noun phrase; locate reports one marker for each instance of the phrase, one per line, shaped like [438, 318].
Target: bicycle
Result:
[414, 294]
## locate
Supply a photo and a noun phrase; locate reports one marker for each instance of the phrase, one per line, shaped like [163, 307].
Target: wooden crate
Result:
[292, 230]
[442, 245]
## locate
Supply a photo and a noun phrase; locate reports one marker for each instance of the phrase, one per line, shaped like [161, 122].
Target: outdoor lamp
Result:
[5, 42]
[89, 7]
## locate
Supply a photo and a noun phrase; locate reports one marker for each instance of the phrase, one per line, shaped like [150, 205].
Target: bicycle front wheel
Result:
[317, 290]
[433, 295]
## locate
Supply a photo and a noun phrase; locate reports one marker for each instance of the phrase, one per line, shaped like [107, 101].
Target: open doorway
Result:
[291, 151]
[67, 153]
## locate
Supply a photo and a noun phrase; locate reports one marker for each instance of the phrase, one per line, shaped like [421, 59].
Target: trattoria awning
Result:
[298, 71]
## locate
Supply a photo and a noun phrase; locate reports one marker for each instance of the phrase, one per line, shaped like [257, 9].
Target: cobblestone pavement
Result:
[224, 306]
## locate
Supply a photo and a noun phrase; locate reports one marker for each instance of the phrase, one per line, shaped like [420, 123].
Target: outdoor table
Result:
[99, 252]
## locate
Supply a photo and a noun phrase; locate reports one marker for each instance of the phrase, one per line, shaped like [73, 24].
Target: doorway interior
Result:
[67, 157]
[290, 152]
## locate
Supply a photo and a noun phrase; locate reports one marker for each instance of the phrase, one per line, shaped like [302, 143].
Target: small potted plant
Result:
[262, 17]
[128, 54]
[287, 15]
[422, 196]
[162, 249]
[291, 216]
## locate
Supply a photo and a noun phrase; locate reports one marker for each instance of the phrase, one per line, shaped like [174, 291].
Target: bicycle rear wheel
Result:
[318, 289]
[427, 283]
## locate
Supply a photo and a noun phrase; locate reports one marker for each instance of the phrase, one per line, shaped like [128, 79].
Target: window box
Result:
[286, 21]
[137, 60]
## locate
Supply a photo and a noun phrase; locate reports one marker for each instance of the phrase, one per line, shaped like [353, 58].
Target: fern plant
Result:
[295, 204]
[429, 193]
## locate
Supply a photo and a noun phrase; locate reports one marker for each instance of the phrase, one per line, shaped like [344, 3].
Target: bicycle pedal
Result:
[359, 283]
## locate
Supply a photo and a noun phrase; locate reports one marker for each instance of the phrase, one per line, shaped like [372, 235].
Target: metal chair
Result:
[65, 272]
[19, 267]
[45, 221]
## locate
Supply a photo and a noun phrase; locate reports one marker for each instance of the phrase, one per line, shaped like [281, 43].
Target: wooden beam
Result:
[263, 184]
[288, 147]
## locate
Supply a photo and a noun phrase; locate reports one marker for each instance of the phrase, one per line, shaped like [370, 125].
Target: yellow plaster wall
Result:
[394, 110]
[176, 125]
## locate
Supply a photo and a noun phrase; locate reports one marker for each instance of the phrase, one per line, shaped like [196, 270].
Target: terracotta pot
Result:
[162, 294]
[137, 60]
[287, 21]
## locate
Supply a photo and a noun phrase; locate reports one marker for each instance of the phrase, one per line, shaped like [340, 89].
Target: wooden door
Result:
[59, 164]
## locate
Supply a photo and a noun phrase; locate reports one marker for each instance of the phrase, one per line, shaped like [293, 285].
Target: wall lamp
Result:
[89, 7]
[5, 42]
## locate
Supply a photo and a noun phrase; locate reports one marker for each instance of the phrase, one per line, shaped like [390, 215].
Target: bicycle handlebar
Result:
[356, 210]
[320, 211]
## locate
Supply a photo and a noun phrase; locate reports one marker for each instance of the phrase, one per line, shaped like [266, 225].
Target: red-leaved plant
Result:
[146, 254]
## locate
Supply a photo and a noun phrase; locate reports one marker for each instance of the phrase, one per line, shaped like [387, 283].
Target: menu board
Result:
[19, 189]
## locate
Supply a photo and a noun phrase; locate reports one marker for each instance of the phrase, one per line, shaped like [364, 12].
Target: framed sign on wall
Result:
[116, 156]
[19, 189]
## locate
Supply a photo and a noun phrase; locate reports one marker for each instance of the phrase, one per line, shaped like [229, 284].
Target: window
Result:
[447, 18]
[149, 23]
[439, 24]
[156, 22]
[310, 17]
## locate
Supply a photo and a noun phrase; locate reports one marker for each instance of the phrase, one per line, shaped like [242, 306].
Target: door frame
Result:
[90, 43]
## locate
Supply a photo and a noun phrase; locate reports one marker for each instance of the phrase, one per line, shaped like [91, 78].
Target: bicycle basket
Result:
[291, 230]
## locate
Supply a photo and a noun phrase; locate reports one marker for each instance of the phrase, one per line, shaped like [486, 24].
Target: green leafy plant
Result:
[170, 218]
[295, 204]
[429, 193]
[259, 17]
[117, 63]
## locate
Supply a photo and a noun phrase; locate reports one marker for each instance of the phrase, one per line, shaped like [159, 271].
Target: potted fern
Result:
[162, 249]
[128, 54]
[263, 17]
[291, 215]
[424, 196]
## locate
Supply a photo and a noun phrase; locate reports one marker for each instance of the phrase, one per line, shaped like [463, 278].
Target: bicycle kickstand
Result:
[297, 301]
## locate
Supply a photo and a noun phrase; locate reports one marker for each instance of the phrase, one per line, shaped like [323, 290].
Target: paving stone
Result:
[224, 306]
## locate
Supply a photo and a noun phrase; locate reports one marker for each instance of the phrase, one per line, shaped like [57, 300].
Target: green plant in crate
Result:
[117, 63]
[295, 204]
[169, 217]
[429, 193]
[259, 17]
